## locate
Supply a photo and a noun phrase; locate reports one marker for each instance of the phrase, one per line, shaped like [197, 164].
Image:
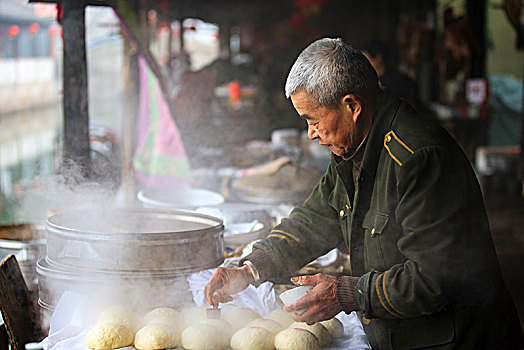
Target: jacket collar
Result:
[382, 121]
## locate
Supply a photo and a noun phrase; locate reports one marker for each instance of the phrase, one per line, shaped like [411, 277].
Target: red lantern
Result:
[164, 6]
[13, 30]
[34, 28]
[52, 30]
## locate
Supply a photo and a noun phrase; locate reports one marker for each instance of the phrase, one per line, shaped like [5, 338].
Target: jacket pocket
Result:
[431, 331]
[374, 225]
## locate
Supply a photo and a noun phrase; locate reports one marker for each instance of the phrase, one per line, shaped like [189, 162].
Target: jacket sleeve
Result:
[445, 240]
[311, 230]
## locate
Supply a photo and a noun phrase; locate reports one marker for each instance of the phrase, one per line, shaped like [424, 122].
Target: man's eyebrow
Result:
[306, 116]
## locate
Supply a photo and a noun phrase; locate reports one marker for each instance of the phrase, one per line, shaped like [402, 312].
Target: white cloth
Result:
[69, 323]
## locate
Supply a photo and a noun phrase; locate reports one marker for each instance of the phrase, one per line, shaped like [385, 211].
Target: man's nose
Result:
[311, 132]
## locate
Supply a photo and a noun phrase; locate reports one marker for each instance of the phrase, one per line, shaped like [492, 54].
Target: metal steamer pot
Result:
[125, 250]
[27, 243]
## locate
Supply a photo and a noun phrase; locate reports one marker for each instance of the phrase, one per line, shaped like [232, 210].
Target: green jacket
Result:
[418, 237]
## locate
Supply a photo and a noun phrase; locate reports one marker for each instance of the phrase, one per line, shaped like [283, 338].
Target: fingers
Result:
[310, 316]
[221, 296]
[224, 282]
[307, 280]
[302, 303]
[315, 313]
[215, 283]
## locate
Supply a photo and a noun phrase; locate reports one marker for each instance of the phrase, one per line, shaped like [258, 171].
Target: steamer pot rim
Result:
[60, 228]
[52, 270]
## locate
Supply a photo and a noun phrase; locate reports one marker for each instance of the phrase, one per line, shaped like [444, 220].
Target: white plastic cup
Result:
[292, 295]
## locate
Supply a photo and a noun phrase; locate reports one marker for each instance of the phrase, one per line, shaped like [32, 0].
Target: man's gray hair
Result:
[328, 69]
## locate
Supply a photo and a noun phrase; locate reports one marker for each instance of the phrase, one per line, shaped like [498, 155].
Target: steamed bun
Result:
[296, 339]
[281, 316]
[273, 326]
[226, 330]
[163, 315]
[156, 336]
[191, 315]
[108, 335]
[119, 314]
[322, 334]
[252, 338]
[239, 317]
[334, 326]
[203, 336]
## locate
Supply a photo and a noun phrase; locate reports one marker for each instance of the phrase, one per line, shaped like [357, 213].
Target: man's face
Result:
[334, 128]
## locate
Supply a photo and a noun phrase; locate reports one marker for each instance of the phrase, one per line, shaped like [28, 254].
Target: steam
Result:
[65, 191]
[130, 278]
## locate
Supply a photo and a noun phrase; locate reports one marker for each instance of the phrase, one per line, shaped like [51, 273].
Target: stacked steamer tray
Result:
[127, 254]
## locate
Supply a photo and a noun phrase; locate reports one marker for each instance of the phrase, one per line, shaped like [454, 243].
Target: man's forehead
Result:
[302, 100]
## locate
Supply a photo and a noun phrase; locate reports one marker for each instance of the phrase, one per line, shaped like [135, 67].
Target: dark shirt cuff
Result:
[260, 259]
[346, 293]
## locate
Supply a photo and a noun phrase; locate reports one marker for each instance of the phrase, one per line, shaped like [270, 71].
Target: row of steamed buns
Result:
[239, 328]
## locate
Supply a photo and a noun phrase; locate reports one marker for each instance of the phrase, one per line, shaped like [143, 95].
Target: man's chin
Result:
[337, 150]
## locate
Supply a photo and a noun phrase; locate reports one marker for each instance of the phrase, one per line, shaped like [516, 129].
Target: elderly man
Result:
[402, 197]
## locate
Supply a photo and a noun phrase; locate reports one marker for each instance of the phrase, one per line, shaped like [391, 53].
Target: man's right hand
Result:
[227, 281]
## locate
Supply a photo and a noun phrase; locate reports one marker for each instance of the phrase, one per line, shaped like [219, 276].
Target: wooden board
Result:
[22, 321]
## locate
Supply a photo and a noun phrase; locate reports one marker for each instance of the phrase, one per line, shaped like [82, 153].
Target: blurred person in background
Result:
[380, 56]
[401, 195]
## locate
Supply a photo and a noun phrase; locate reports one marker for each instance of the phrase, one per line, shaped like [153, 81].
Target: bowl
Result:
[292, 295]
[243, 222]
[179, 198]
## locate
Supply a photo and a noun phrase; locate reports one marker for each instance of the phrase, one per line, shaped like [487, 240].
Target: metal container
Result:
[27, 243]
[153, 288]
[134, 240]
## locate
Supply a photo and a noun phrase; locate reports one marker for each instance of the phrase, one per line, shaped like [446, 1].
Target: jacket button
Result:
[373, 231]
[341, 213]
[388, 138]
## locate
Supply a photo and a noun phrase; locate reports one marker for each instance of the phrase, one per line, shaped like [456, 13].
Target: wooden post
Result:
[76, 118]
[129, 122]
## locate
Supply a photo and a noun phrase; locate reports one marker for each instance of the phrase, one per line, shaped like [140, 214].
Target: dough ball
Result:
[296, 339]
[226, 330]
[281, 316]
[163, 315]
[108, 335]
[119, 314]
[272, 326]
[190, 315]
[156, 336]
[335, 327]
[252, 338]
[322, 334]
[203, 336]
[239, 317]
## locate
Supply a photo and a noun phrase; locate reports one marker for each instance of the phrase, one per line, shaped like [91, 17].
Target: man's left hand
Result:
[321, 302]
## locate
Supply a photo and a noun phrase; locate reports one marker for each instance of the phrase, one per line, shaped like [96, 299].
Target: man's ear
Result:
[353, 105]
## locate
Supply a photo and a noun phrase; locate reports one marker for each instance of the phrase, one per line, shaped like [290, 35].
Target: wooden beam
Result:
[76, 118]
[86, 2]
